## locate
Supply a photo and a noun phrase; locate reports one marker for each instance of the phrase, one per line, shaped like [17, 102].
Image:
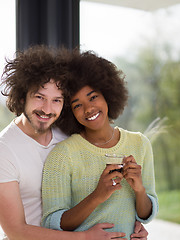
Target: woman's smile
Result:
[93, 117]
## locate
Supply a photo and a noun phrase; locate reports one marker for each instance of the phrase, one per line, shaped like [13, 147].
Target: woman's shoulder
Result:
[133, 135]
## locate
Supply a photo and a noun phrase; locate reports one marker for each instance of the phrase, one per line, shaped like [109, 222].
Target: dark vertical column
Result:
[50, 22]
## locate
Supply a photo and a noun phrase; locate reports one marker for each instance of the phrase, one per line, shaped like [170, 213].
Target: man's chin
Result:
[42, 129]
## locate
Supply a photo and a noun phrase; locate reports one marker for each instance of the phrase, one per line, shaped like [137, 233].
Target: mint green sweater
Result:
[72, 172]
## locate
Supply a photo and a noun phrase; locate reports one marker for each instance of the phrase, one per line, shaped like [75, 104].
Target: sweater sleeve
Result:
[148, 178]
[56, 187]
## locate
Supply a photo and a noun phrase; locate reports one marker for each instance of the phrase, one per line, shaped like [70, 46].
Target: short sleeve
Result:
[8, 170]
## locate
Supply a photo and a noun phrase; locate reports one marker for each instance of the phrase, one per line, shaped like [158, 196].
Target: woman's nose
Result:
[88, 108]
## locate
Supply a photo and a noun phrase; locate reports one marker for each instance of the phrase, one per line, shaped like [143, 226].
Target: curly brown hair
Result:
[88, 69]
[30, 69]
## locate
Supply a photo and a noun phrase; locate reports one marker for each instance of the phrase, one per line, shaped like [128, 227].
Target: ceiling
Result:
[147, 5]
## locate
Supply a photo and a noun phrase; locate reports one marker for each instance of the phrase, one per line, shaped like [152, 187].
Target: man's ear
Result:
[22, 101]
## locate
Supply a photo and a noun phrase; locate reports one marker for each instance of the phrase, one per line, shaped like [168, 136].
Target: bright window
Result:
[145, 45]
[7, 47]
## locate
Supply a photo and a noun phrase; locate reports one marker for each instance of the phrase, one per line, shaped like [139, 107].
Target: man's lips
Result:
[44, 116]
[93, 117]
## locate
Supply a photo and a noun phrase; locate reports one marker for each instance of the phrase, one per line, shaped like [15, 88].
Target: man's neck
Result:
[42, 138]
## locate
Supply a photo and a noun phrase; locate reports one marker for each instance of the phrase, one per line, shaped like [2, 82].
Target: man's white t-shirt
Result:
[22, 160]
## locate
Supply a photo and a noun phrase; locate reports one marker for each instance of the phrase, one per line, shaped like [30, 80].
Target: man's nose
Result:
[47, 107]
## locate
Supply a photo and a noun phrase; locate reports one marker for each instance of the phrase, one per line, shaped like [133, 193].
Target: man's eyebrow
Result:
[45, 95]
[36, 92]
[39, 93]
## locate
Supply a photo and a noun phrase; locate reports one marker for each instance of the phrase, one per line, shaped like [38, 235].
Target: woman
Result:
[79, 190]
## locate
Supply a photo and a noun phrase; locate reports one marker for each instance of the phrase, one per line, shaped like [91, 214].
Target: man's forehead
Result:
[46, 86]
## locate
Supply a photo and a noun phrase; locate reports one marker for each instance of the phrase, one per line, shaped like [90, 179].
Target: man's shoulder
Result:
[7, 141]
[7, 131]
[58, 134]
[12, 135]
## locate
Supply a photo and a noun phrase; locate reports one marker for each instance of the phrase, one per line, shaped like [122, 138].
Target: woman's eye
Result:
[93, 97]
[76, 106]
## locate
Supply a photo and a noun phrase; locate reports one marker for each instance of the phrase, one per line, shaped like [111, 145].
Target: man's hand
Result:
[98, 233]
[139, 232]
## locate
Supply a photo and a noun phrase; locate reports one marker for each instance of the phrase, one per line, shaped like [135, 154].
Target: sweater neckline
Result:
[99, 149]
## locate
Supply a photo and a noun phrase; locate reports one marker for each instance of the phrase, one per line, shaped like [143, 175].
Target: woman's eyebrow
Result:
[75, 100]
[90, 93]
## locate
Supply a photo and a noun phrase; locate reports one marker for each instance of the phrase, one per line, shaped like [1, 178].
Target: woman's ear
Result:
[111, 121]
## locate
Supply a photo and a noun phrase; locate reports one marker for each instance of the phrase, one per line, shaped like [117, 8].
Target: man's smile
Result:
[44, 116]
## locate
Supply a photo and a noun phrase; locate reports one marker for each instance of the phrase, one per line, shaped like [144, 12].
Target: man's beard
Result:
[41, 128]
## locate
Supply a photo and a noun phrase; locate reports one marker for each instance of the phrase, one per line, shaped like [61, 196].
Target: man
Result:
[34, 86]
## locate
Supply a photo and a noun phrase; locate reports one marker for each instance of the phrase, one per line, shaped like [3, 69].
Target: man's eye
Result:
[58, 100]
[39, 97]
